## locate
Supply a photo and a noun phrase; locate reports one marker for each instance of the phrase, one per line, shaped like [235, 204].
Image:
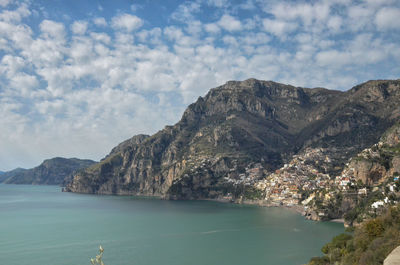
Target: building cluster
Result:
[305, 175]
[284, 186]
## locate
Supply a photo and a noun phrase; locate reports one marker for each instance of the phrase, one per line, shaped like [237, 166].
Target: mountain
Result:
[379, 162]
[5, 175]
[245, 126]
[50, 172]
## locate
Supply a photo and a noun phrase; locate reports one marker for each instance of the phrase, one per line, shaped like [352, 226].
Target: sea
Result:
[40, 225]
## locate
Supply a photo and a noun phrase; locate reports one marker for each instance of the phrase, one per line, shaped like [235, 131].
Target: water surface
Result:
[39, 225]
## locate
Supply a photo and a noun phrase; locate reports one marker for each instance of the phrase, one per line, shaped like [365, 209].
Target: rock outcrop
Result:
[241, 123]
[379, 162]
[55, 171]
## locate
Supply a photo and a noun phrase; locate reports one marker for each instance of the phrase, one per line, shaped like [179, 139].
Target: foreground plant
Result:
[98, 259]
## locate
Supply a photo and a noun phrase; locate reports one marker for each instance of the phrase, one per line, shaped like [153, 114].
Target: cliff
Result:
[379, 162]
[368, 184]
[238, 124]
[51, 172]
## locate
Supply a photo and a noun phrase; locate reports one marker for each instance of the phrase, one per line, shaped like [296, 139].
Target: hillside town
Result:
[305, 184]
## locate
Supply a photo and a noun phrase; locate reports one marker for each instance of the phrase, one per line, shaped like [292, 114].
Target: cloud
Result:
[100, 21]
[4, 3]
[333, 58]
[185, 12]
[52, 29]
[79, 27]
[16, 15]
[247, 5]
[218, 3]
[229, 23]
[68, 85]
[335, 23]
[388, 18]
[126, 22]
[212, 28]
[278, 28]
[24, 82]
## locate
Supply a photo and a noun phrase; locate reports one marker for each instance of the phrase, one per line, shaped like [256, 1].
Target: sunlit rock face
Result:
[240, 123]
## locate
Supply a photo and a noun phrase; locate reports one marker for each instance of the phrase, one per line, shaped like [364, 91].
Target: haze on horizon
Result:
[78, 77]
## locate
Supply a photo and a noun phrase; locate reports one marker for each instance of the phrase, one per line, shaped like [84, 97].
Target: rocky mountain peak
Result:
[238, 124]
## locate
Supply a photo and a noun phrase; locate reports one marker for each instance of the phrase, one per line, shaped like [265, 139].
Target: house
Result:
[344, 181]
[377, 204]
[362, 191]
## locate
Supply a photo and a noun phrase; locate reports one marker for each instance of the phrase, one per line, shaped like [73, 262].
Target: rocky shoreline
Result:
[295, 208]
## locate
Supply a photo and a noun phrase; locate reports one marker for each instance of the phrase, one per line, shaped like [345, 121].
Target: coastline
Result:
[299, 209]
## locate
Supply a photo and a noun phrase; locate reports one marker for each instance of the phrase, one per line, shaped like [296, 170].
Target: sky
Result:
[78, 77]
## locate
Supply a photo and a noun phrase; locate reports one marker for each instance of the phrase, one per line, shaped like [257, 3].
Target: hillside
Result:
[369, 244]
[367, 185]
[243, 131]
[5, 175]
[51, 172]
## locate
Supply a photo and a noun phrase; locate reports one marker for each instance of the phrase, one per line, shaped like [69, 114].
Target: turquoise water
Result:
[39, 225]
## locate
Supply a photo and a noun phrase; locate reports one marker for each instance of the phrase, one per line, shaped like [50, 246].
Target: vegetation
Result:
[369, 244]
[98, 260]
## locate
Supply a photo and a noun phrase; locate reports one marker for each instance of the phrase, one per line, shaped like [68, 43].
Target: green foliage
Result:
[374, 228]
[253, 193]
[362, 208]
[319, 261]
[369, 244]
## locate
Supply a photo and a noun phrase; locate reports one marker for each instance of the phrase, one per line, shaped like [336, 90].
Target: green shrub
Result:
[369, 244]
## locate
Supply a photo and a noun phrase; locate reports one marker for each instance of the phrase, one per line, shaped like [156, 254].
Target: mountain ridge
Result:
[54, 171]
[239, 123]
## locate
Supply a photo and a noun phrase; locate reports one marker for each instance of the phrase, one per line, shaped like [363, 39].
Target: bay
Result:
[40, 225]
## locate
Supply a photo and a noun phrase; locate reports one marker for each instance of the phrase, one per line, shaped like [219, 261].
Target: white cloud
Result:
[278, 28]
[218, 3]
[100, 21]
[136, 7]
[126, 22]
[62, 92]
[24, 82]
[100, 37]
[185, 11]
[5, 3]
[229, 23]
[333, 58]
[79, 27]
[212, 28]
[247, 5]
[11, 65]
[335, 23]
[16, 15]
[52, 29]
[388, 18]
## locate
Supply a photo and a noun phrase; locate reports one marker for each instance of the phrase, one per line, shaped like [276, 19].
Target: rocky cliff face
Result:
[379, 162]
[53, 171]
[241, 123]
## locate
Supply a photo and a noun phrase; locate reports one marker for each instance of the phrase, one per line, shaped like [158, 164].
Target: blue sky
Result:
[78, 77]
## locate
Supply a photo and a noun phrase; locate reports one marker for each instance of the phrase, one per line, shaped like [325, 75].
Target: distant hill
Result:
[53, 171]
[239, 124]
[8, 174]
